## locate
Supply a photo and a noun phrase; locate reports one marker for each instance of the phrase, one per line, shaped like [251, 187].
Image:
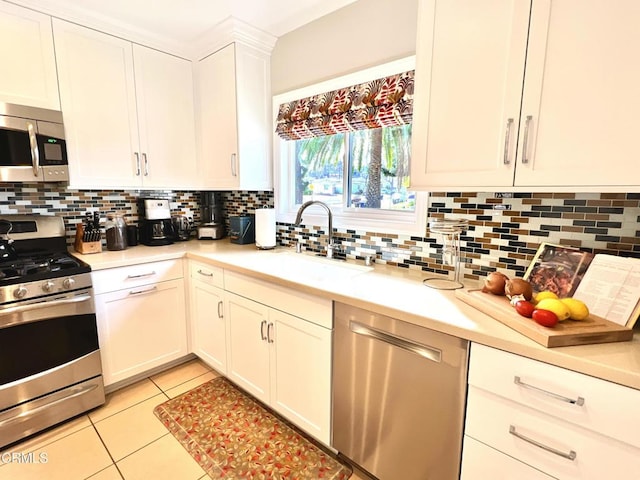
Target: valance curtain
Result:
[384, 102]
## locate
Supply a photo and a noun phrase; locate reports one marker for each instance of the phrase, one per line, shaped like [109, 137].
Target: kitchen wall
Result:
[503, 234]
[361, 35]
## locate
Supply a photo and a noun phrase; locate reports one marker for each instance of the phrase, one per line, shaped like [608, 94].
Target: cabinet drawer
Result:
[206, 273]
[513, 428]
[606, 407]
[481, 462]
[309, 307]
[113, 279]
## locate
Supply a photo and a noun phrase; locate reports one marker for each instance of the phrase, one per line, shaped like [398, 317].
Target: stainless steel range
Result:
[50, 366]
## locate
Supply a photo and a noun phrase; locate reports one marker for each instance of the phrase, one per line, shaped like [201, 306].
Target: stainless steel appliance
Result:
[182, 226]
[156, 227]
[398, 396]
[211, 221]
[32, 145]
[50, 367]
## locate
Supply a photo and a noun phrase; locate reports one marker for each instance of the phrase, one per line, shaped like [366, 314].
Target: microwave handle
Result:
[35, 154]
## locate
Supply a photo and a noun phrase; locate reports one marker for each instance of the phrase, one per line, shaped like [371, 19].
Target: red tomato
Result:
[546, 318]
[524, 308]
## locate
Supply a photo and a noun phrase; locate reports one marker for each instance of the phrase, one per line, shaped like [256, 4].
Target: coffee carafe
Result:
[156, 227]
[211, 221]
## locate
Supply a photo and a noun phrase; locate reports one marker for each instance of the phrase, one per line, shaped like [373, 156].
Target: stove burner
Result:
[24, 268]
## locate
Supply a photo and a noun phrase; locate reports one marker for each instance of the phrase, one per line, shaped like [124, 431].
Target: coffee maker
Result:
[155, 222]
[211, 221]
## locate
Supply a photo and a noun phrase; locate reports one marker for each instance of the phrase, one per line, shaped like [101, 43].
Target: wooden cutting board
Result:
[568, 332]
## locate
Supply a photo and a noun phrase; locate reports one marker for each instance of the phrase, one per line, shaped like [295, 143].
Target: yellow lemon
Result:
[577, 308]
[556, 306]
[542, 295]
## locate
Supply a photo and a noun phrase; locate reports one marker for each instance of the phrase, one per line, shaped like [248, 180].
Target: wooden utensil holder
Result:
[81, 246]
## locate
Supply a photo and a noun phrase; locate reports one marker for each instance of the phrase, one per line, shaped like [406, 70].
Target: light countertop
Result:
[392, 291]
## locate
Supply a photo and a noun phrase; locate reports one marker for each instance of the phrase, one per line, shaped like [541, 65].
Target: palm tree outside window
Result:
[361, 169]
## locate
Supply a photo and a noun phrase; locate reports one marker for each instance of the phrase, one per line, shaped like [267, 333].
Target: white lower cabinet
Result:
[140, 326]
[481, 462]
[281, 359]
[562, 423]
[208, 325]
[248, 345]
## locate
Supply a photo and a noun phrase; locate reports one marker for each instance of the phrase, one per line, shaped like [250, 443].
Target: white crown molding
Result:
[229, 30]
[232, 30]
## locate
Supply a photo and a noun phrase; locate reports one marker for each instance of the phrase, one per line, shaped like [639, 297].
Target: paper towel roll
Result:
[265, 228]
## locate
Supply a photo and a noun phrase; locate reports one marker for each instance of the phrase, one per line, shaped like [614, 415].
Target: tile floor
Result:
[122, 440]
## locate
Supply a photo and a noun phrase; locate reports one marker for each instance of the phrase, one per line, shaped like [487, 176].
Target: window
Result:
[363, 175]
[362, 169]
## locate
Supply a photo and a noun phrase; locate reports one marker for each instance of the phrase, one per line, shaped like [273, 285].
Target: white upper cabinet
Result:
[166, 119]
[128, 112]
[27, 57]
[566, 118]
[234, 119]
[97, 92]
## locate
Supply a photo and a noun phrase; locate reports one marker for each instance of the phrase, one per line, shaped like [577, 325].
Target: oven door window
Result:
[31, 348]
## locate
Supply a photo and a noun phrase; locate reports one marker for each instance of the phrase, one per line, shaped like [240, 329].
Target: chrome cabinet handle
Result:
[263, 323]
[142, 275]
[137, 163]
[205, 273]
[234, 170]
[507, 141]
[220, 311]
[424, 351]
[269, 327]
[6, 319]
[35, 153]
[141, 292]
[525, 143]
[578, 401]
[146, 164]
[570, 456]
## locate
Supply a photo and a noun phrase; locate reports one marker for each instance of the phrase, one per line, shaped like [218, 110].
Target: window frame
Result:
[371, 220]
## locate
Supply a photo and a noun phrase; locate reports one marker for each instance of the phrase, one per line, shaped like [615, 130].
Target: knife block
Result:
[81, 246]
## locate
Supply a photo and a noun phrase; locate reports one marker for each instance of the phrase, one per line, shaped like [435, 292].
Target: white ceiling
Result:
[184, 22]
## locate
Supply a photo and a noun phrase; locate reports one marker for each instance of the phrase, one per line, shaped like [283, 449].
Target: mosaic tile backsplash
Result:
[503, 233]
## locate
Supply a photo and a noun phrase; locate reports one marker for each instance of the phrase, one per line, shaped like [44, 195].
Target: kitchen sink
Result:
[304, 268]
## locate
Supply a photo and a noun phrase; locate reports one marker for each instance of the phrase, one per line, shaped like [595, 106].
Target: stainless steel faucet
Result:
[330, 245]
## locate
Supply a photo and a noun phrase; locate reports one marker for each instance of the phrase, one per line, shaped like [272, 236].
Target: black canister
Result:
[132, 235]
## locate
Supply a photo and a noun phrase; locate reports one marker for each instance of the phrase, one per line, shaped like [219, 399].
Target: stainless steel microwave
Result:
[32, 145]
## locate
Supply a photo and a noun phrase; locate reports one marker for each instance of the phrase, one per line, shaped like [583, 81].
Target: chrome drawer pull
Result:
[220, 314]
[141, 275]
[425, 351]
[205, 273]
[570, 456]
[578, 401]
[140, 292]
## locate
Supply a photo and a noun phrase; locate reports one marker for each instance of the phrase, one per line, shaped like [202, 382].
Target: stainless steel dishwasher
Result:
[399, 395]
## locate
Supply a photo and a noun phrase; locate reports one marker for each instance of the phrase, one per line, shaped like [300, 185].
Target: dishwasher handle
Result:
[425, 351]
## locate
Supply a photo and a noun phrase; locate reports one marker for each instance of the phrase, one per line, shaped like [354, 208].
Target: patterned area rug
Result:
[232, 436]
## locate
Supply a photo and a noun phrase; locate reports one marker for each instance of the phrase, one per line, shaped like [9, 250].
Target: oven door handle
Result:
[40, 305]
[76, 392]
